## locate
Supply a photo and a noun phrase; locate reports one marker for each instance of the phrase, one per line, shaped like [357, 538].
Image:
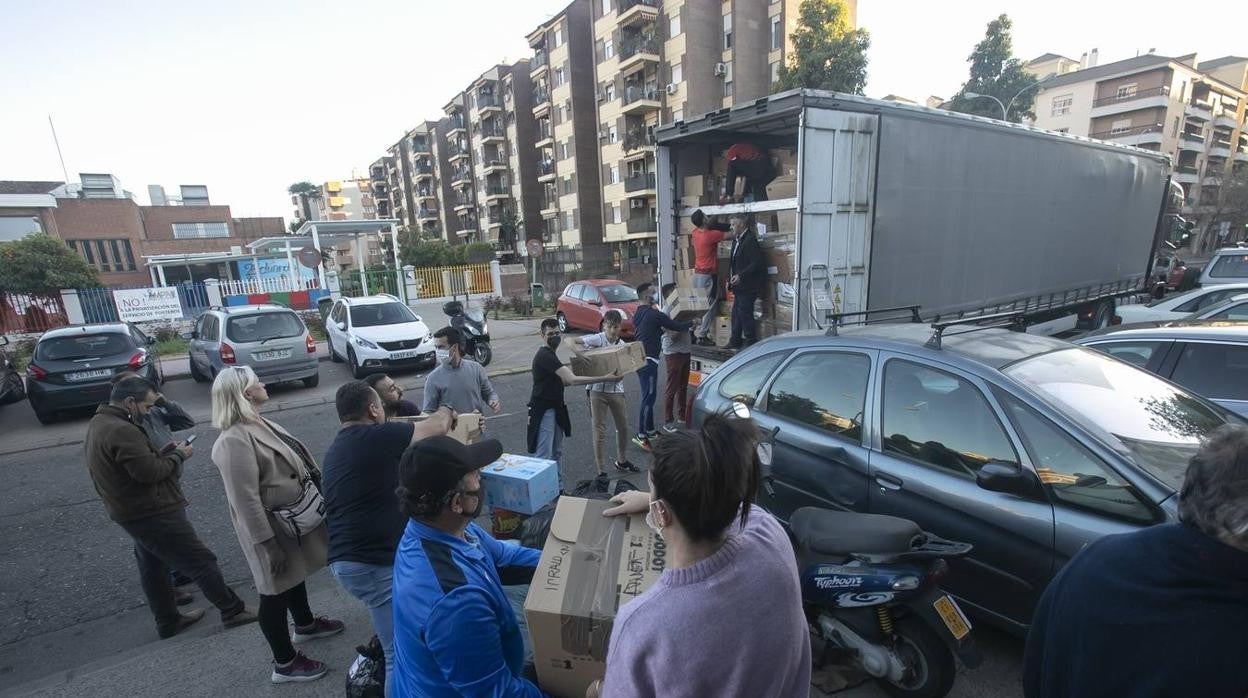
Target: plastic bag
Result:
[367, 676]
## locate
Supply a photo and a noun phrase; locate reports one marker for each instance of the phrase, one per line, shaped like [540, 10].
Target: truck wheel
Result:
[1104, 311]
[930, 664]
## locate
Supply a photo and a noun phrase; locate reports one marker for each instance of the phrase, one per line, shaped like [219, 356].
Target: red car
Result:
[584, 303]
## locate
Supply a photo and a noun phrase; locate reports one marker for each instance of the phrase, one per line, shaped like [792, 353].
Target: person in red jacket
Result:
[706, 237]
[748, 161]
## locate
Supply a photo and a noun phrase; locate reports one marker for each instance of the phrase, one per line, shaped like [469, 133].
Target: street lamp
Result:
[976, 95]
[1041, 81]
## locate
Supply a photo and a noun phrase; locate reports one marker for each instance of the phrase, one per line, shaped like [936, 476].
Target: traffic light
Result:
[1181, 231]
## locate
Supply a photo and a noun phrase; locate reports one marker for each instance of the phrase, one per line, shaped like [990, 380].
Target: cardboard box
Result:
[467, 426]
[699, 186]
[620, 360]
[782, 187]
[591, 565]
[522, 484]
[687, 304]
[683, 277]
[779, 263]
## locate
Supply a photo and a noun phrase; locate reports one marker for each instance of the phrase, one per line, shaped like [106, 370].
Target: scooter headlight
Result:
[906, 583]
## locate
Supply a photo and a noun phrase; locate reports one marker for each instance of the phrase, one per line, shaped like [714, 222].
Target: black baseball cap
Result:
[432, 467]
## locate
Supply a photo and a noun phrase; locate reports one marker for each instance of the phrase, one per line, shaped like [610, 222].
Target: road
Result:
[72, 616]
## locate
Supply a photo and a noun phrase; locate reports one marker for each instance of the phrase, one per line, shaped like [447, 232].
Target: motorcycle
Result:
[871, 596]
[12, 388]
[475, 330]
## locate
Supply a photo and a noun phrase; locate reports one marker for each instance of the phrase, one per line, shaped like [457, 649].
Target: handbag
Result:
[302, 516]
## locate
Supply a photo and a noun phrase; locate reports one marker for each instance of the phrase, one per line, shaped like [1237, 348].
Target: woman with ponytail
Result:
[725, 618]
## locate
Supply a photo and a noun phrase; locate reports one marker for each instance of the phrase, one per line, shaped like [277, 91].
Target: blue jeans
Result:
[649, 377]
[550, 441]
[371, 584]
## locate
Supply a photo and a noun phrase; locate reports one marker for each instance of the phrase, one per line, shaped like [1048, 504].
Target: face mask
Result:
[654, 297]
[480, 501]
[444, 355]
[553, 341]
[652, 519]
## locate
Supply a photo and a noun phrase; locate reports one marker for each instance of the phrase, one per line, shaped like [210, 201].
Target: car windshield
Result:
[1233, 266]
[618, 293]
[1234, 309]
[381, 314]
[83, 346]
[262, 327]
[1158, 425]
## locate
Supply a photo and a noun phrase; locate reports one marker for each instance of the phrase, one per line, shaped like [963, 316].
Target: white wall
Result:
[1078, 120]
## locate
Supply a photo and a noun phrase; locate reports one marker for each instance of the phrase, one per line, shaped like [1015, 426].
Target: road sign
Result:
[534, 247]
[310, 257]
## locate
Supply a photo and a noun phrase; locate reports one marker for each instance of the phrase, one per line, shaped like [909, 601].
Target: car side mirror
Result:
[1007, 478]
[342, 326]
[151, 341]
[190, 335]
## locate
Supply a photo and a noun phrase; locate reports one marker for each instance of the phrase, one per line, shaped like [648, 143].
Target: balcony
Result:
[1192, 142]
[1140, 99]
[456, 124]
[1198, 110]
[380, 188]
[497, 192]
[636, 12]
[635, 138]
[463, 204]
[1241, 155]
[544, 136]
[457, 153]
[550, 207]
[1186, 174]
[383, 209]
[546, 171]
[461, 177]
[493, 134]
[426, 214]
[425, 194]
[494, 165]
[1219, 149]
[642, 225]
[638, 99]
[420, 172]
[420, 146]
[643, 182]
[489, 103]
[1225, 120]
[539, 62]
[637, 49]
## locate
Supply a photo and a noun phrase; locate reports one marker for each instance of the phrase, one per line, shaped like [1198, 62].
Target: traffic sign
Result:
[310, 257]
[534, 247]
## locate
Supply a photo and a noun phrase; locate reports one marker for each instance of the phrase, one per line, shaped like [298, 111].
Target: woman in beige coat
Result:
[263, 467]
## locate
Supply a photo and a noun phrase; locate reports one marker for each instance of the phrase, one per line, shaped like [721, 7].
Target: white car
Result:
[1180, 306]
[377, 333]
[1228, 265]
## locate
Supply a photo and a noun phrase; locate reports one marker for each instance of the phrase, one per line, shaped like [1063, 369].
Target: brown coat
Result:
[260, 472]
[131, 477]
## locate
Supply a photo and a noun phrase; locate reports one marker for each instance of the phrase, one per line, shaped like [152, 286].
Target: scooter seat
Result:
[828, 532]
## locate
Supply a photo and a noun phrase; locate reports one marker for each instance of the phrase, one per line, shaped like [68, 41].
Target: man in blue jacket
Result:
[648, 325]
[454, 631]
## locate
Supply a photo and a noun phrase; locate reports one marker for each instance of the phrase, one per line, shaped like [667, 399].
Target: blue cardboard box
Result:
[520, 483]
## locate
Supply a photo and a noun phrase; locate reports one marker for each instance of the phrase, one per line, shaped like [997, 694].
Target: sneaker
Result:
[706, 342]
[321, 627]
[642, 442]
[626, 467]
[298, 669]
[184, 621]
[672, 427]
[182, 598]
[243, 617]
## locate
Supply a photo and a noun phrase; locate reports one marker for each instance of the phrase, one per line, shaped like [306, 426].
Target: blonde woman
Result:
[268, 474]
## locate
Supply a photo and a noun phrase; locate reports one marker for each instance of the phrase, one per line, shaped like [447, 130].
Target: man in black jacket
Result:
[747, 275]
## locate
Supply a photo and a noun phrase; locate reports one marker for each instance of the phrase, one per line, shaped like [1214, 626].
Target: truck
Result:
[937, 215]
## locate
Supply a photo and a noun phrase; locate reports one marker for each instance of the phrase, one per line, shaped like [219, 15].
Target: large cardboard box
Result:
[619, 360]
[683, 277]
[521, 484]
[782, 187]
[687, 304]
[698, 186]
[468, 426]
[591, 566]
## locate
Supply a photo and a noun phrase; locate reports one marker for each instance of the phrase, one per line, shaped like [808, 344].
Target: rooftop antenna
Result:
[59, 154]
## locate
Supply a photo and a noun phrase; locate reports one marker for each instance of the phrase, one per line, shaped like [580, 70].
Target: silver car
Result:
[271, 339]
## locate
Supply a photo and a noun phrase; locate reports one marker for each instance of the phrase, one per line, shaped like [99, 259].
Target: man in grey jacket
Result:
[458, 383]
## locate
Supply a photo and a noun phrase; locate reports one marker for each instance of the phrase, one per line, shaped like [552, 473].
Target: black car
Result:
[73, 367]
[12, 389]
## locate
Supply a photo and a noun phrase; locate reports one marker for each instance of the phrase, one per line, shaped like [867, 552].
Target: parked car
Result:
[1209, 358]
[1235, 309]
[584, 303]
[1180, 306]
[1025, 446]
[1228, 265]
[271, 339]
[73, 367]
[12, 388]
[376, 333]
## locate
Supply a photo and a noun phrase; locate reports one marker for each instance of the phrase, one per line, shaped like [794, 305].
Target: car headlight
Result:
[428, 338]
[364, 343]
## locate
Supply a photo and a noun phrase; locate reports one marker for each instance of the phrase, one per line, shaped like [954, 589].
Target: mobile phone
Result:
[191, 439]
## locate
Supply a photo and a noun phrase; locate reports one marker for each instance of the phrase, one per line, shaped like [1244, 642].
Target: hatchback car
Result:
[1179, 306]
[73, 367]
[1228, 265]
[1209, 358]
[1025, 446]
[271, 339]
[583, 304]
[378, 333]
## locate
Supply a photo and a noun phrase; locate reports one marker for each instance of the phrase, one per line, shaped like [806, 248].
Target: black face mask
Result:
[553, 341]
[479, 494]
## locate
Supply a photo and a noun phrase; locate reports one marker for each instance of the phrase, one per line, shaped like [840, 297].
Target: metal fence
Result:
[441, 282]
[30, 313]
[356, 283]
[251, 287]
[98, 304]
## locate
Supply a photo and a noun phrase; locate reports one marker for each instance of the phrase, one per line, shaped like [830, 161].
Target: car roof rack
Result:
[836, 317]
[1014, 321]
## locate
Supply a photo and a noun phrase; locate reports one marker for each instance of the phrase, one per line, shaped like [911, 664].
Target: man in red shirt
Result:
[753, 164]
[706, 238]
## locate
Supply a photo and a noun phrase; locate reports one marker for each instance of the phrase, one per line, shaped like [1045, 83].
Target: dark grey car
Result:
[73, 367]
[1025, 446]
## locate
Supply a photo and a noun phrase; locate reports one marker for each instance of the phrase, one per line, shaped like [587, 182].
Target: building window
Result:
[613, 175]
[678, 72]
[777, 34]
[1125, 91]
[559, 76]
[106, 255]
[617, 213]
[606, 7]
[727, 32]
[673, 21]
[186, 231]
[18, 227]
[613, 134]
[569, 220]
[610, 92]
[558, 37]
[775, 72]
[678, 115]
[608, 49]
[1061, 105]
[1120, 126]
[1064, 129]
[728, 79]
[1174, 131]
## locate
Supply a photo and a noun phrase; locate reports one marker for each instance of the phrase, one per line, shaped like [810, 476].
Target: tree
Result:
[1230, 207]
[997, 73]
[43, 265]
[295, 225]
[304, 187]
[827, 53]
[508, 231]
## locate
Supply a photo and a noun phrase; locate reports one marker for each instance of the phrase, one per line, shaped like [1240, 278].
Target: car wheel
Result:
[45, 417]
[333, 355]
[356, 370]
[563, 322]
[312, 381]
[195, 373]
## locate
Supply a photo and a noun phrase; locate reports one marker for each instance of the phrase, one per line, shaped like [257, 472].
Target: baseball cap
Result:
[432, 467]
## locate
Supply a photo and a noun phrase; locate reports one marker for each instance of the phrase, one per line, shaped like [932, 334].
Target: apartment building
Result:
[454, 138]
[1175, 105]
[336, 200]
[379, 184]
[1057, 64]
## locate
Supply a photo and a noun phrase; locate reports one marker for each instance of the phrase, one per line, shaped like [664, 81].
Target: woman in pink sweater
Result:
[725, 618]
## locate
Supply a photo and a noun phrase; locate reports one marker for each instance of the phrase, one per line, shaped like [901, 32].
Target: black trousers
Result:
[272, 614]
[167, 541]
[743, 318]
[757, 174]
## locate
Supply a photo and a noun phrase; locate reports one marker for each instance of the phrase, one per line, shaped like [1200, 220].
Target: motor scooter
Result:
[475, 329]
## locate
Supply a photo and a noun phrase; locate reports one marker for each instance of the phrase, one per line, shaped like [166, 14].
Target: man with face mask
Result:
[454, 629]
[359, 476]
[649, 322]
[140, 489]
[391, 394]
[458, 382]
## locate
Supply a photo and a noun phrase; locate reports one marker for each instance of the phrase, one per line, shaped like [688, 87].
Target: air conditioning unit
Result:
[720, 69]
[671, 88]
[603, 134]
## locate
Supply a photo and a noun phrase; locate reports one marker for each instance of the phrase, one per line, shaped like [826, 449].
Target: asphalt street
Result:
[72, 616]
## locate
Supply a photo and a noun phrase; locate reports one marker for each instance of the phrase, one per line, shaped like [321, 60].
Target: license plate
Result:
[270, 355]
[400, 355]
[89, 375]
[955, 620]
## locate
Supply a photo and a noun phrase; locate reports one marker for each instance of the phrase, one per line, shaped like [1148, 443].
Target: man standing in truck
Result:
[748, 274]
[706, 238]
[748, 161]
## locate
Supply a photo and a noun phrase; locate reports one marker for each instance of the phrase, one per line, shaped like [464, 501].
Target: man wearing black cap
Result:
[454, 630]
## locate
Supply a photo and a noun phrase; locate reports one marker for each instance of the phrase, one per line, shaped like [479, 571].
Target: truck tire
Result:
[1104, 312]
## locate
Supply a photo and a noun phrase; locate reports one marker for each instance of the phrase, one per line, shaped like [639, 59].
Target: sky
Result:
[248, 97]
